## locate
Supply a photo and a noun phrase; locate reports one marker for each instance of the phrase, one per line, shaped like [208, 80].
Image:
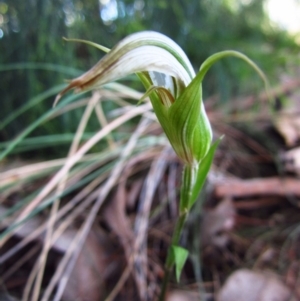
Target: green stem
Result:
[188, 181]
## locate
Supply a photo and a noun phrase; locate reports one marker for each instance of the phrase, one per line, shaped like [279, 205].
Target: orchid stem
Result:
[185, 193]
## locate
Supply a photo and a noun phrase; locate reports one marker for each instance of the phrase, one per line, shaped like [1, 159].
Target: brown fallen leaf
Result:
[248, 285]
[216, 224]
[291, 160]
[288, 126]
[180, 295]
[287, 122]
[87, 281]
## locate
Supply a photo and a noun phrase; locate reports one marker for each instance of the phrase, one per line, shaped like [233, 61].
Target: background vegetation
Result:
[34, 58]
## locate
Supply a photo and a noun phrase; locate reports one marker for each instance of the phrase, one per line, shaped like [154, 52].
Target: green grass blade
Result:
[34, 101]
[42, 66]
[33, 126]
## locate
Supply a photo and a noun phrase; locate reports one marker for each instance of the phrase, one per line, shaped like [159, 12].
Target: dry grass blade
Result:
[65, 178]
[135, 111]
[66, 265]
[103, 122]
[15, 175]
[35, 232]
[141, 222]
[53, 215]
[120, 283]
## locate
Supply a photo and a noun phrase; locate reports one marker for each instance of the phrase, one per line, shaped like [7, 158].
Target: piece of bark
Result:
[258, 187]
[217, 223]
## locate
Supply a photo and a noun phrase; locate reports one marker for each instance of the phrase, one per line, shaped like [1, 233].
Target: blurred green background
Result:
[35, 60]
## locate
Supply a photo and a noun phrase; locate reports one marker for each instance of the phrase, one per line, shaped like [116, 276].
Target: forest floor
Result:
[243, 235]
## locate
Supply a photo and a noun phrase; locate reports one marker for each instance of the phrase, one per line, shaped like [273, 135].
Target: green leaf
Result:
[203, 170]
[180, 256]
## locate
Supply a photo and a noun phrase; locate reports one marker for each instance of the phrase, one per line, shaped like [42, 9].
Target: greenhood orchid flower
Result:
[175, 92]
[172, 85]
